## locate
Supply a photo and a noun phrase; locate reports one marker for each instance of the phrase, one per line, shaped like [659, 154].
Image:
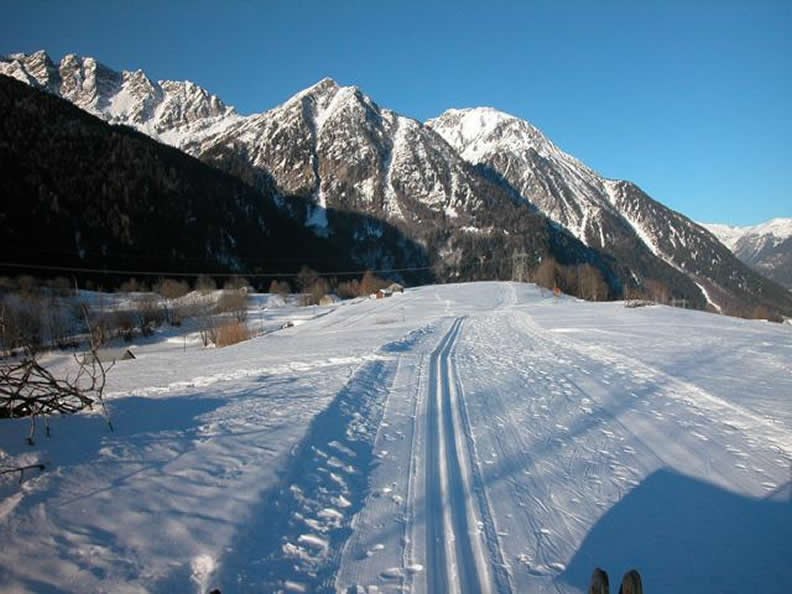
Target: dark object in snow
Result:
[599, 582]
[215, 591]
[631, 583]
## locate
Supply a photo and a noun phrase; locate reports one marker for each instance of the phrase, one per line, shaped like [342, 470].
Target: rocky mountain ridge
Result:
[169, 111]
[613, 216]
[471, 186]
[766, 247]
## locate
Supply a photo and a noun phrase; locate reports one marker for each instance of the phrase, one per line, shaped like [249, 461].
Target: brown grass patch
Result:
[231, 334]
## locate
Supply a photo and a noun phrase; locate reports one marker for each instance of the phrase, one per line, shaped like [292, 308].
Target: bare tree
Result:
[591, 285]
[658, 292]
[207, 325]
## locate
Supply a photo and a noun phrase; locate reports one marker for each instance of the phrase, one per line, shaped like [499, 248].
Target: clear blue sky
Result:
[689, 99]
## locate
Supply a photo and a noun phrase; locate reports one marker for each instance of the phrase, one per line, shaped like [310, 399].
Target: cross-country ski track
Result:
[485, 437]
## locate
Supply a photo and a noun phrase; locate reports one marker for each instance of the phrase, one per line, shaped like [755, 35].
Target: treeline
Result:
[581, 280]
[79, 193]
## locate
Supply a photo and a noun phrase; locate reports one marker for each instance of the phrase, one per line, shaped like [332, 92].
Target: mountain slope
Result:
[766, 247]
[81, 193]
[464, 187]
[338, 149]
[616, 217]
[337, 152]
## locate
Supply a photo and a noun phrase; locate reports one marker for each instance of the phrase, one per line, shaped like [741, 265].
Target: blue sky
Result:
[691, 100]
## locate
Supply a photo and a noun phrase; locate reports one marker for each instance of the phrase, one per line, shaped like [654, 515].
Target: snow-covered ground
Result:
[460, 438]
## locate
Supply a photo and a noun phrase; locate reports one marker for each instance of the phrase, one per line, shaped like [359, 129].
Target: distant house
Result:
[388, 291]
[395, 288]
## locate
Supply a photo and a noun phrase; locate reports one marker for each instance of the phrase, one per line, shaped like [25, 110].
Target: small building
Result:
[395, 288]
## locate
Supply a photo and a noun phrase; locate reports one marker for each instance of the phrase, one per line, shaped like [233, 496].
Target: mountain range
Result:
[470, 188]
[767, 247]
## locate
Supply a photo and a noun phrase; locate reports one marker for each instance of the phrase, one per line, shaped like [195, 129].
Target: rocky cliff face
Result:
[173, 112]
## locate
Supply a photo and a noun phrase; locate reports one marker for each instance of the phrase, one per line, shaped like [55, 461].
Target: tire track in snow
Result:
[456, 560]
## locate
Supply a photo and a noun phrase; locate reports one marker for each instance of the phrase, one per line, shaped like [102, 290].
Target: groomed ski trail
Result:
[456, 551]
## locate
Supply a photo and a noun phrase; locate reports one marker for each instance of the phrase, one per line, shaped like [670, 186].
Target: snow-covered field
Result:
[458, 438]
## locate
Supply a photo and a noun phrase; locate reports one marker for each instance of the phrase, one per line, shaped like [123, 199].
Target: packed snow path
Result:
[455, 559]
[485, 437]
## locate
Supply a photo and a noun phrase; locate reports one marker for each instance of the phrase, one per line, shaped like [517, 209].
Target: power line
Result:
[192, 274]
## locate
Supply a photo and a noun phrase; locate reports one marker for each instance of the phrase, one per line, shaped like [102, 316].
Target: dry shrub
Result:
[171, 289]
[762, 312]
[236, 283]
[132, 286]
[371, 283]
[123, 323]
[61, 286]
[316, 291]
[150, 313]
[178, 312]
[27, 285]
[348, 289]
[205, 284]
[546, 274]
[231, 334]
[281, 288]
[233, 302]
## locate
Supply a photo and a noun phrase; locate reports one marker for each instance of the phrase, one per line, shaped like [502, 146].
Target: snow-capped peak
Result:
[766, 246]
[779, 229]
[477, 131]
[171, 111]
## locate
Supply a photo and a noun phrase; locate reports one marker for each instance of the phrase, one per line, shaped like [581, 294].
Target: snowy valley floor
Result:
[459, 438]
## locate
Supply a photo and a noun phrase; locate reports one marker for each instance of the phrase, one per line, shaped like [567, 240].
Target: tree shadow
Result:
[686, 535]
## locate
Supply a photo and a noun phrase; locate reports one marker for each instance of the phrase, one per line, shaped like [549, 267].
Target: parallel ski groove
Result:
[498, 570]
[455, 559]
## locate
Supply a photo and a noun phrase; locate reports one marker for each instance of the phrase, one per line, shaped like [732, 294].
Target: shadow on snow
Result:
[686, 535]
